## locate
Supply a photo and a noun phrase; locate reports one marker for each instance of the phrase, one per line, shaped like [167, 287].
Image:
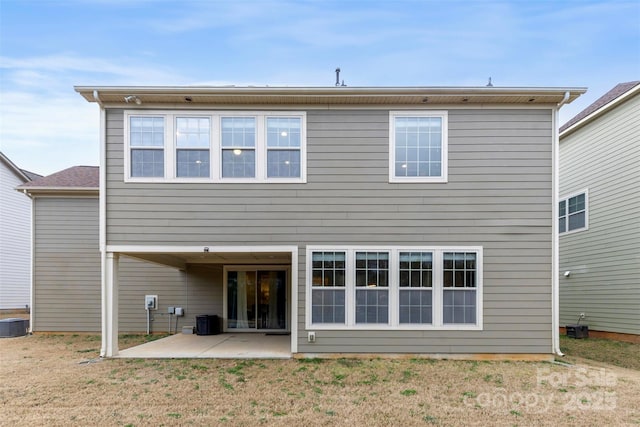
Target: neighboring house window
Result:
[418, 146]
[192, 147]
[238, 147]
[146, 141]
[328, 287]
[397, 288]
[215, 146]
[572, 213]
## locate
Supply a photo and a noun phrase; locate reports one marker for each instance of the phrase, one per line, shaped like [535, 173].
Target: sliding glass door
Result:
[256, 299]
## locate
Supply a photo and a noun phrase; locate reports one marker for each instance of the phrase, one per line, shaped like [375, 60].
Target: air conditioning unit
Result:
[577, 331]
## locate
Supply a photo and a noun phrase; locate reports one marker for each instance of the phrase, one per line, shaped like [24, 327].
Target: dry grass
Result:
[618, 353]
[58, 380]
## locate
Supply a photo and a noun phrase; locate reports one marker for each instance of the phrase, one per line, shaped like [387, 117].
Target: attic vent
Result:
[338, 78]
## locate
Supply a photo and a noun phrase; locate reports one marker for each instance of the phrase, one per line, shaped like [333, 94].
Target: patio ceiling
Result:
[181, 260]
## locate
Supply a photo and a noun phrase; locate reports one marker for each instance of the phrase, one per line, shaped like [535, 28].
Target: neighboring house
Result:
[15, 237]
[360, 220]
[67, 263]
[600, 214]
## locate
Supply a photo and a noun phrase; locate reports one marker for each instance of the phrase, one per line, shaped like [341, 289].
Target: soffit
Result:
[206, 96]
[181, 260]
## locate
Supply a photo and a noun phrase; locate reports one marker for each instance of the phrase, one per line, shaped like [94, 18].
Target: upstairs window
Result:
[572, 213]
[192, 147]
[238, 147]
[283, 147]
[418, 146]
[215, 146]
[146, 141]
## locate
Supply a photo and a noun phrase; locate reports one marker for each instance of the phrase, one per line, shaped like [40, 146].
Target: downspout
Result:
[102, 226]
[31, 262]
[555, 262]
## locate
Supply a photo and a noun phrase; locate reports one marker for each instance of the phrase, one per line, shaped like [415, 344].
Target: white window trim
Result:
[586, 211]
[394, 315]
[444, 151]
[215, 146]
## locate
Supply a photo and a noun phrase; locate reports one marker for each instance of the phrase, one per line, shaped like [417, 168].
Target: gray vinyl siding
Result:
[66, 265]
[198, 291]
[15, 242]
[498, 196]
[66, 275]
[604, 157]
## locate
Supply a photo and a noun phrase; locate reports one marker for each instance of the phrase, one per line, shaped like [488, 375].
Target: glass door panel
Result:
[241, 299]
[272, 299]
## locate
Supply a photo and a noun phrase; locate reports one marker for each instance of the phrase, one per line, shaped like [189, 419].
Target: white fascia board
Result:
[330, 90]
[34, 189]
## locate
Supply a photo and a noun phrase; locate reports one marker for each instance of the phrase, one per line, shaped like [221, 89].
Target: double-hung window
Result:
[459, 282]
[372, 287]
[192, 147]
[415, 279]
[394, 288]
[283, 147]
[146, 142]
[328, 287]
[418, 146]
[238, 147]
[572, 213]
[215, 146]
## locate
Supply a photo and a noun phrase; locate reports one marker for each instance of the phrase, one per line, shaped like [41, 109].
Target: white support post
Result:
[110, 306]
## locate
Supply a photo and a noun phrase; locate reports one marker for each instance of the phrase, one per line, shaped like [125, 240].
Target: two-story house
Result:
[15, 238]
[359, 220]
[599, 215]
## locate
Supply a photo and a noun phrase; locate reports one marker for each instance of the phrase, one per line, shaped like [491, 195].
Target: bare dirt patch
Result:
[59, 380]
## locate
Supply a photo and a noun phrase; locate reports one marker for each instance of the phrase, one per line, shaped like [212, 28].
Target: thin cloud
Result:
[124, 69]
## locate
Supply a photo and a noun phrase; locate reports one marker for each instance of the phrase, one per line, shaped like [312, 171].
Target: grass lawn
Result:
[59, 380]
[618, 353]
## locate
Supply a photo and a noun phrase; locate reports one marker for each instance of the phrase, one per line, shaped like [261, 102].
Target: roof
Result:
[176, 96]
[73, 179]
[31, 175]
[601, 105]
[24, 175]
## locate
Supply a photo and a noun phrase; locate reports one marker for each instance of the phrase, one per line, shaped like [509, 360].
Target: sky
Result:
[49, 46]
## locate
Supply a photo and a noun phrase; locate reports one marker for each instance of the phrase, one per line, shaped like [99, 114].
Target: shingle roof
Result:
[608, 97]
[31, 175]
[85, 177]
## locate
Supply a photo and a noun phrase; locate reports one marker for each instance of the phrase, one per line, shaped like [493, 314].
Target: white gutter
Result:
[555, 261]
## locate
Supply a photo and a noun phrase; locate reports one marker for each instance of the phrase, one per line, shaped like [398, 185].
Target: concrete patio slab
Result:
[223, 346]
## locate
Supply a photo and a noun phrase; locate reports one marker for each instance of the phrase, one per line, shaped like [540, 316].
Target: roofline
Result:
[320, 90]
[57, 190]
[600, 111]
[330, 89]
[15, 168]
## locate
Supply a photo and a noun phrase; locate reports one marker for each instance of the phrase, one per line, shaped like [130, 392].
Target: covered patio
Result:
[252, 289]
[222, 346]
